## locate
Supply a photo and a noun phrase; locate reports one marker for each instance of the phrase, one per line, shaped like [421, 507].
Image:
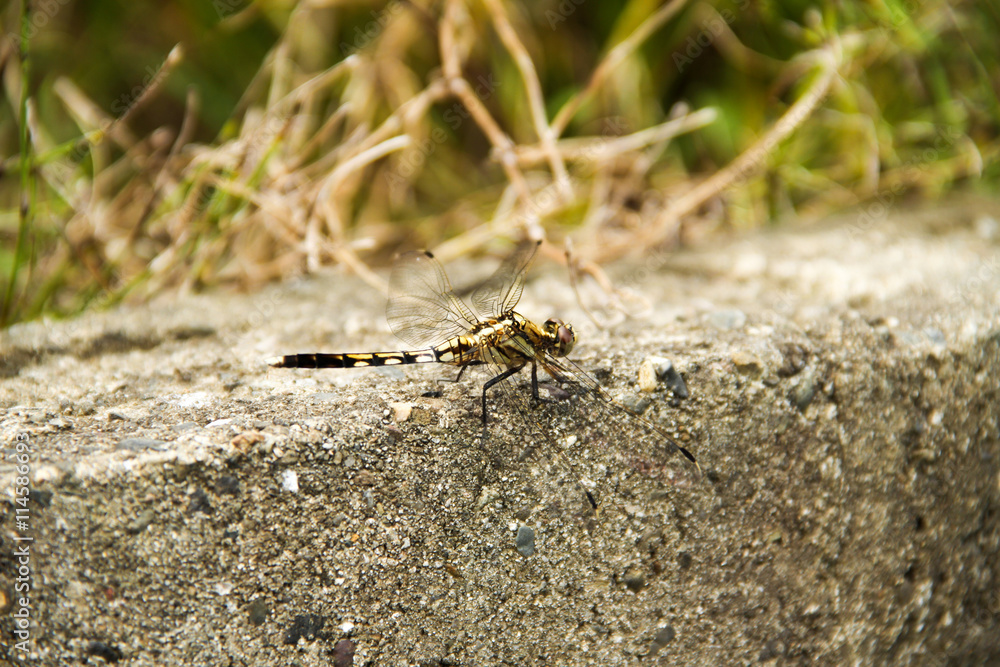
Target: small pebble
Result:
[258, 612]
[42, 498]
[664, 636]
[343, 653]
[525, 541]
[648, 379]
[634, 580]
[675, 382]
[139, 524]
[637, 404]
[802, 393]
[401, 411]
[728, 318]
[747, 363]
[200, 503]
[290, 481]
[61, 424]
[227, 484]
[655, 370]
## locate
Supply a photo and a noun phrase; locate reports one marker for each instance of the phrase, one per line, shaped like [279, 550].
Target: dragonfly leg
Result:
[492, 381]
[559, 393]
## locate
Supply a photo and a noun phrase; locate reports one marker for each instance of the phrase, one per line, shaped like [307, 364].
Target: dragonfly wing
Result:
[423, 310]
[647, 445]
[501, 291]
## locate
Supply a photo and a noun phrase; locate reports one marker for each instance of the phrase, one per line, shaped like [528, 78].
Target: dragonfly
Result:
[424, 311]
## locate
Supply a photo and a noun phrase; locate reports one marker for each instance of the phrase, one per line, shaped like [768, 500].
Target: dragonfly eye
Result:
[563, 334]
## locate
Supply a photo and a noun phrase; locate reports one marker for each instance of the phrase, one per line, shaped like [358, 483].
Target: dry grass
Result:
[439, 131]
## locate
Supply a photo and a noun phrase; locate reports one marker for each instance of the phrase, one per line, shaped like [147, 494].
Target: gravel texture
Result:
[190, 506]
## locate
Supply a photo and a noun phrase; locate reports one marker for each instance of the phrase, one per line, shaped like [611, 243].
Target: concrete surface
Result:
[189, 506]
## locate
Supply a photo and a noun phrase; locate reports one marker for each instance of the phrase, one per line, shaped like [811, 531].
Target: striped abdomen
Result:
[459, 351]
[321, 360]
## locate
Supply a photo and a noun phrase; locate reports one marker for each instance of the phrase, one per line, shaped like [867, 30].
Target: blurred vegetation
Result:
[174, 146]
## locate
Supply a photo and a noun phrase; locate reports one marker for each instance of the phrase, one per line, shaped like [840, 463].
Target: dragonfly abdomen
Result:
[362, 360]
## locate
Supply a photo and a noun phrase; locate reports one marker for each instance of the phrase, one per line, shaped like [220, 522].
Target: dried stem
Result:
[536, 100]
[751, 160]
[615, 56]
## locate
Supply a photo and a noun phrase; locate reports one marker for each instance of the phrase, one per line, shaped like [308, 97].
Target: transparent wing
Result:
[645, 444]
[423, 310]
[501, 291]
[582, 451]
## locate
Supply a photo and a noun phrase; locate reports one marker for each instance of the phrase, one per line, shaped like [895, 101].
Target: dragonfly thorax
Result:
[523, 339]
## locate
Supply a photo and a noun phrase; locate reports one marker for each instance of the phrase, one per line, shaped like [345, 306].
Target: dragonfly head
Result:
[562, 335]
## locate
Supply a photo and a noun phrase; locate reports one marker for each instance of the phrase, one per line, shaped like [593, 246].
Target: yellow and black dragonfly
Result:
[424, 311]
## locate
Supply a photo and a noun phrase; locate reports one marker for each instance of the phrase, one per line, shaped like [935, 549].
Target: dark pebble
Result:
[770, 651]
[637, 404]
[106, 651]
[305, 626]
[525, 541]
[795, 358]
[670, 377]
[43, 498]
[802, 394]
[200, 503]
[664, 636]
[227, 484]
[634, 580]
[343, 653]
[258, 612]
